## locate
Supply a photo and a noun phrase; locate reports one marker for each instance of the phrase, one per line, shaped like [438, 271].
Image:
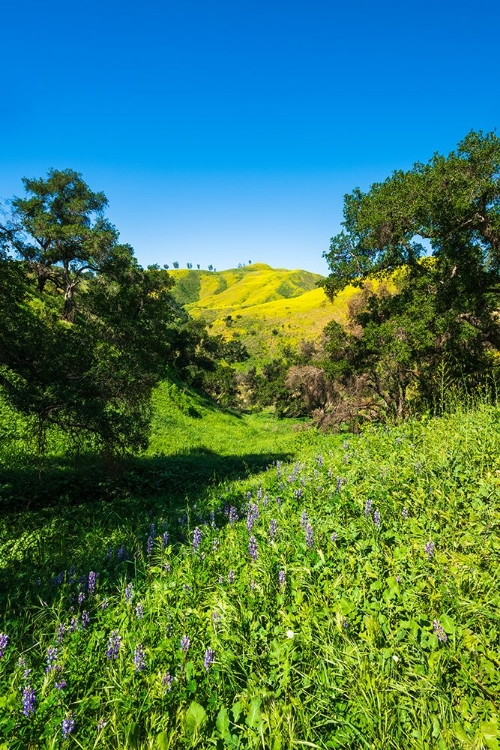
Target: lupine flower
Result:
[345, 623]
[333, 536]
[259, 493]
[73, 626]
[85, 618]
[139, 610]
[167, 681]
[309, 536]
[91, 582]
[152, 530]
[252, 515]
[430, 549]
[164, 539]
[4, 641]
[281, 578]
[51, 658]
[303, 519]
[61, 685]
[320, 460]
[149, 545]
[29, 701]
[278, 501]
[298, 493]
[197, 535]
[252, 548]
[139, 658]
[121, 554]
[376, 517]
[438, 630]
[67, 725]
[368, 507]
[273, 526]
[252, 585]
[215, 616]
[209, 658]
[215, 544]
[230, 576]
[405, 513]
[113, 645]
[61, 629]
[81, 597]
[185, 644]
[101, 724]
[233, 515]
[167, 567]
[129, 592]
[26, 674]
[266, 500]
[104, 604]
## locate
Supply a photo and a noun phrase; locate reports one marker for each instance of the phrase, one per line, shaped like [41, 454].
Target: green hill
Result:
[262, 306]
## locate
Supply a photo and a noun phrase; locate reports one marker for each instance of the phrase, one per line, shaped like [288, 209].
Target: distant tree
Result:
[249, 262]
[166, 266]
[175, 264]
[189, 266]
[198, 266]
[210, 268]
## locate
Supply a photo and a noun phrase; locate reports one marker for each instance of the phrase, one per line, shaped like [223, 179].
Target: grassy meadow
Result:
[248, 583]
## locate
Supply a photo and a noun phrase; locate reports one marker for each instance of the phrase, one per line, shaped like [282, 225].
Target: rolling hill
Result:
[264, 307]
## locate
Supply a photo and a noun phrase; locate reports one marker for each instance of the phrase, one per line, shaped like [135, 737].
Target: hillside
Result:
[264, 307]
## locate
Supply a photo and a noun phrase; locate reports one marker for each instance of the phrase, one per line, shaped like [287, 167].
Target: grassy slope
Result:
[372, 641]
[268, 307]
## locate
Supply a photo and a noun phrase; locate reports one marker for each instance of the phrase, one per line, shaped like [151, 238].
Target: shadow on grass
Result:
[68, 516]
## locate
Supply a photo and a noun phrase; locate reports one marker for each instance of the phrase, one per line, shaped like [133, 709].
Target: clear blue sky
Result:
[223, 132]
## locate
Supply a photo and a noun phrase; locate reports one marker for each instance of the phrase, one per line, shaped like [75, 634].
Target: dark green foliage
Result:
[444, 316]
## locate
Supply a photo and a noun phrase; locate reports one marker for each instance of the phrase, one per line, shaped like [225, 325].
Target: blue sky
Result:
[223, 132]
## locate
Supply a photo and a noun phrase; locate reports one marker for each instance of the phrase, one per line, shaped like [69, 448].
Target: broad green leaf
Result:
[253, 717]
[196, 717]
[223, 721]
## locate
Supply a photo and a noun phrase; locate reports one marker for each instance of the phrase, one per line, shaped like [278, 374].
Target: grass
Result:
[346, 599]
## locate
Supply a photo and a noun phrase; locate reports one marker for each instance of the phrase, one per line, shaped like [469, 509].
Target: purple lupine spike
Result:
[129, 593]
[273, 527]
[233, 515]
[231, 576]
[303, 519]
[81, 597]
[139, 610]
[149, 545]
[51, 658]
[405, 513]
[209, 658]
[368, 507]
[91, 582]
[252, 548]
[376, 517]
[85, 618]
[185, 644]
[67, 725]
[4, 642]
[114, 644]
[439, 631]
[167, 681]
[29, 701]
[309, 536]
[430, 548]
[281, 578]
[164, 539]
[139, 658]
[334, 536]
[61, 685]
[197, 535]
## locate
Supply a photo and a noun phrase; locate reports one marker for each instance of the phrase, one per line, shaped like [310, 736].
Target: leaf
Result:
[254, 717]
[132, 734]
[236, 709]
[162, 741]
[223, 721]
[447, 624]
[196, 717]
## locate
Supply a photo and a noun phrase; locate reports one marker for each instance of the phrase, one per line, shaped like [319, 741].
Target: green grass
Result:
[376, 638]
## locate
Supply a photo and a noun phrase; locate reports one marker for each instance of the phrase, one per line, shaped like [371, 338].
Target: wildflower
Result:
[26, 674]
[67, 725]
[139, 658]
[376, 517]
[345, 623]
[215, 616]
[320, 460]
[215, 544]
[303, 519]
[185, 644]
[333, 536]
[281, 578]
[129, 592]
[368, 507]
[104, 604]
[29, 701]
[309, 536]
[209, 658]
[259, 493]
[230, 576]
[61, 629]
[266, 500]
[197, 535]
[405, 513]
[113, 645]
[278, 501]
[233, 515]
[290, 634]
[51, 658]
[273, 526]
[252, 585]
[73, 625]
[167, 567]
[81, 597]
[167, 681]
[430, 548]
[101, 724]
[252, 515]
[61, 685]
[85, 618]
[91, 582]
[438, 630]
[139, 611]
[164, 539]
[121, 554]
[4, 641]
[152, 530]
[252, 548]
[149, 545]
